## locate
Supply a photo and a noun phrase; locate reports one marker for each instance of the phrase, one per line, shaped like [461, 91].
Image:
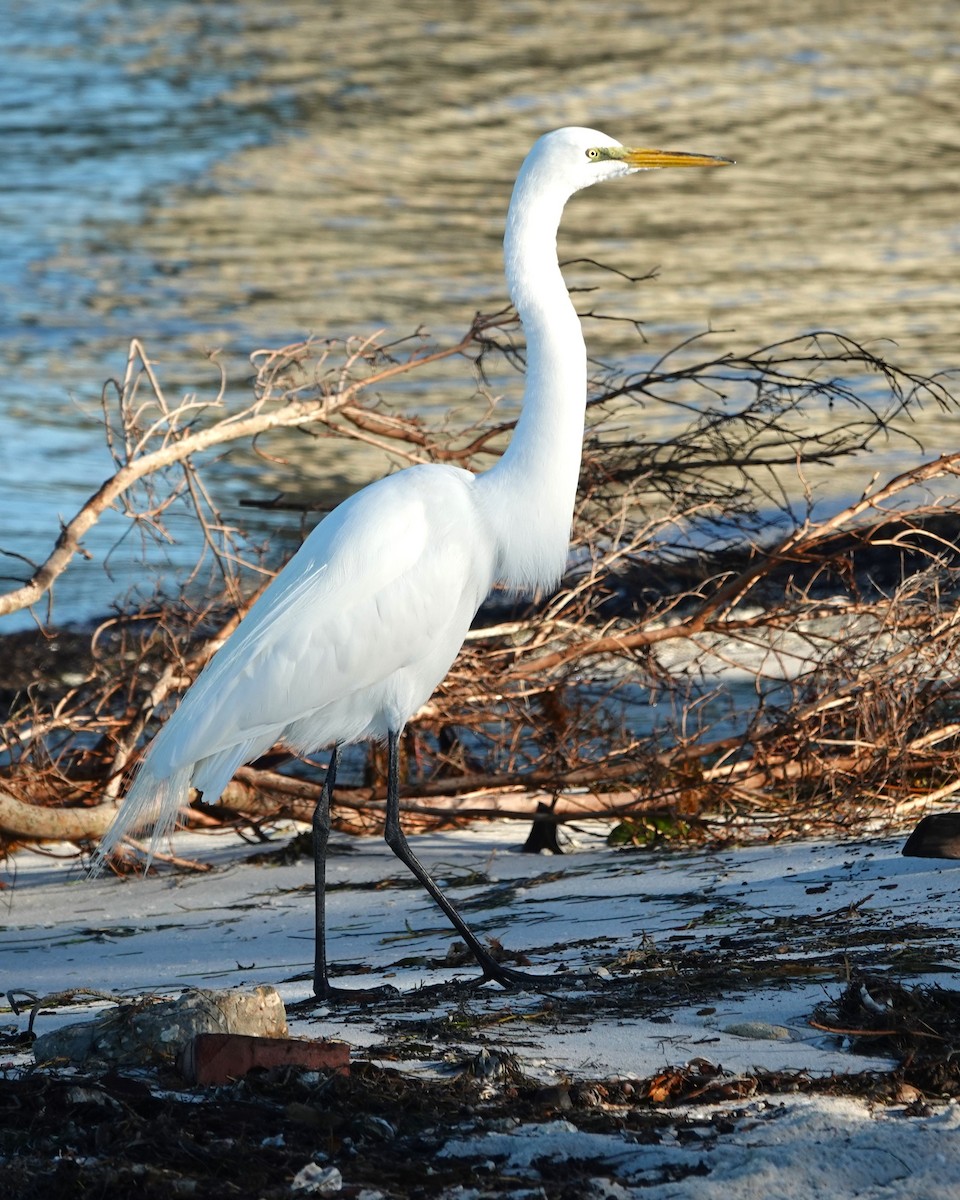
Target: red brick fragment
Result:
[215, 1058]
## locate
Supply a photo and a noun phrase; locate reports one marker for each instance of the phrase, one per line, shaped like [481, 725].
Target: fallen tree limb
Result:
[180, 441]
[36, 822]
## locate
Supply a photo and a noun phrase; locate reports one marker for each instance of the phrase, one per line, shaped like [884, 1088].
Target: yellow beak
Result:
[647, 159]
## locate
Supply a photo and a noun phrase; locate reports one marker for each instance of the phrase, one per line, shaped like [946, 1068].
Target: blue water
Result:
[403, 127]
[104, 110]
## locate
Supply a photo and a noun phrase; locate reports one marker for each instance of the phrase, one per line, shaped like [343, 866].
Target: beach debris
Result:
[217, 1058]
[152, 1030]
[315, 1180]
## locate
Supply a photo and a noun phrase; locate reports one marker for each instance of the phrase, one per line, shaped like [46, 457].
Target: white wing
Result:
[352, 636]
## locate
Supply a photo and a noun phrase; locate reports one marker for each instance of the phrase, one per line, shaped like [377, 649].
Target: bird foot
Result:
[509, 978]
[512, 979]
[326, 993]
[343, 995]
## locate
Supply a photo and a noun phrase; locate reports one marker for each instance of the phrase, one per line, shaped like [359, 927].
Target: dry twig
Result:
[719, 652]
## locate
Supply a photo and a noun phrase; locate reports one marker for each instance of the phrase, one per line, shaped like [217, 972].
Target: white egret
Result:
[361, 625]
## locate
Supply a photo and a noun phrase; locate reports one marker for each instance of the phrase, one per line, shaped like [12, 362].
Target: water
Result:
[237, 175]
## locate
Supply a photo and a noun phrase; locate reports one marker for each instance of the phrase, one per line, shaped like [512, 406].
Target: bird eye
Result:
[593, 154]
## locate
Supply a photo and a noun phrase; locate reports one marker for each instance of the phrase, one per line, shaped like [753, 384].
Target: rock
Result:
[936, 836]
[760, 1030]
[149, 1031]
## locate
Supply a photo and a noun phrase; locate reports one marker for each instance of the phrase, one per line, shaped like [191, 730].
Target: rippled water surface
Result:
[235, 174]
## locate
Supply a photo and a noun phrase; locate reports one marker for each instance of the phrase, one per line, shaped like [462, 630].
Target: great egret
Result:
[365, 620]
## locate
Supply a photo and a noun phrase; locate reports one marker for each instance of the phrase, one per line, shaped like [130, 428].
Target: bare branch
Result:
[722, 654]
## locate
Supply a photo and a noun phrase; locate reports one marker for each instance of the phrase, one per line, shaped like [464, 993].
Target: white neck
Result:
[534, 484]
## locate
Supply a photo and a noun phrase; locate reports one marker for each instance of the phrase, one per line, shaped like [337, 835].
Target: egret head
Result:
[574, 158]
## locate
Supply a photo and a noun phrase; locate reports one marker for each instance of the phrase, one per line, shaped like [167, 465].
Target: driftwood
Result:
[681, 580]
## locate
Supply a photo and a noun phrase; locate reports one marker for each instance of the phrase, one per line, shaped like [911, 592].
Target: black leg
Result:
[397, 842]
[323, 989]
[321, 836]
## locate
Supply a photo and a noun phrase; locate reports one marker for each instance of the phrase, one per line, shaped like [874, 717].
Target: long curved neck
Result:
[534, 484]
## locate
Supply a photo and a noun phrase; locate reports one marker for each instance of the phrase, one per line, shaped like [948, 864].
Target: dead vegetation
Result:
[727, 652]
[382, 1131]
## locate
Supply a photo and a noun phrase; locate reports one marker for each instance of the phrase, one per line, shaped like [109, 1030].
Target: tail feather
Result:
[153, 802]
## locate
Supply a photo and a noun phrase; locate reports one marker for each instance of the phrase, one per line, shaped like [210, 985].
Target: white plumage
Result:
[349, 640]
[361, 625]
